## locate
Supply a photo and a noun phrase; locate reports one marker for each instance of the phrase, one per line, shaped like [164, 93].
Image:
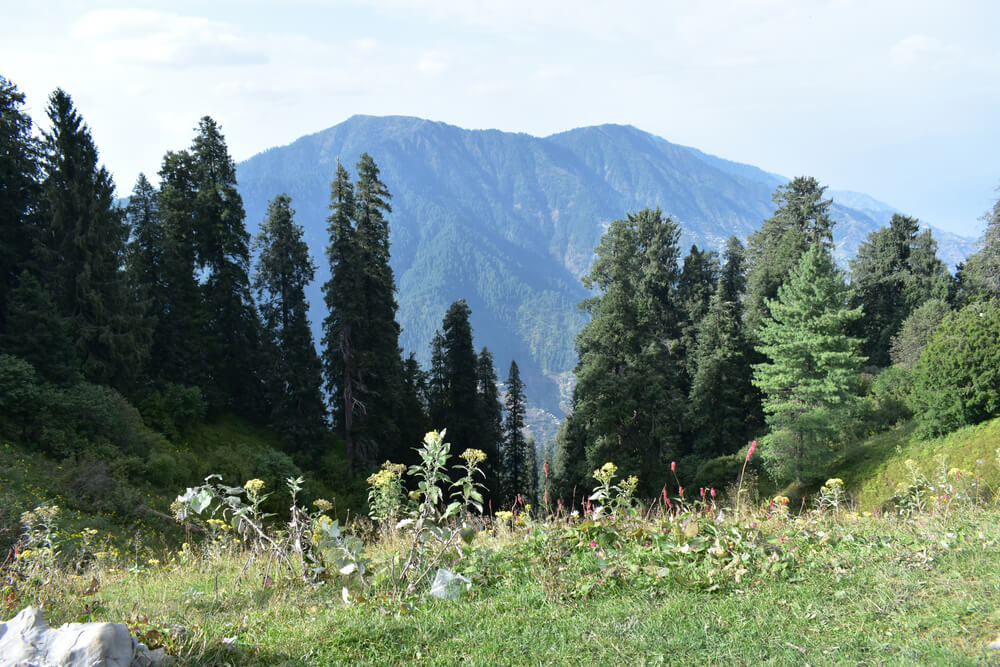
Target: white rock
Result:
[28, 640]
[994, 645]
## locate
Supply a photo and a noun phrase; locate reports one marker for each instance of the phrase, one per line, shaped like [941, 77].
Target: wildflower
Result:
[673, 466]
[593, 543]
[254, 487]
[322, 505]
[713, 492]
[545, 468]
[753, 448]
[504, 515]
[836, 481]
[473, 456]
[153, 561]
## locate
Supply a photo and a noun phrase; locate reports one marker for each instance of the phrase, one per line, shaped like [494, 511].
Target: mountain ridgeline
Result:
[509, 222]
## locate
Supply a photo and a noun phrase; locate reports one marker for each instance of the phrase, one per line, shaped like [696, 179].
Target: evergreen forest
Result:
[125, 326]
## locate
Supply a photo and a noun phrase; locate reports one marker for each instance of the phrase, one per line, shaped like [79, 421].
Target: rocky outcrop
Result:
[28, 640]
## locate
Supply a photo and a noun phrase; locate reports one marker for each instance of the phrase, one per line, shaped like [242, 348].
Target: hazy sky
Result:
[895, 98]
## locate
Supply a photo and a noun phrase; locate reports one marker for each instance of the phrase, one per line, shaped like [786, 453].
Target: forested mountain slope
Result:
[509, 222]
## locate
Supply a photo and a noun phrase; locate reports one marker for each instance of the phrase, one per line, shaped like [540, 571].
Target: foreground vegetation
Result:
[916, 580]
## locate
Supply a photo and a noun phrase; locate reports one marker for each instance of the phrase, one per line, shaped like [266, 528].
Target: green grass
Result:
[874, 468]
[850, 589]
[861, 591]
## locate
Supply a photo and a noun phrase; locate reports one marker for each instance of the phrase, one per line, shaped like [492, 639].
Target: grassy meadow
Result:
[897, 563]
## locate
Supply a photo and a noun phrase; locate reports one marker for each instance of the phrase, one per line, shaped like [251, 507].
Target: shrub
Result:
[956, 381]
[172, 408]
[19, 391]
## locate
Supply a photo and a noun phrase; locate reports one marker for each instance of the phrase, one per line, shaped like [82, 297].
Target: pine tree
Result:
[377, 341]
[81, 251]
[490, 422]
[19, 174]
[515, 454]
[979, 276]
[362, 362]
[222, 249]
[461, 378]
[895, 270]
[695, 286]
[144, 264]
[721, 400]
[812, 376]
[627, 399]
[733, 280]
[293, 372]
[801, 220]
[179, 354]
[530, 480]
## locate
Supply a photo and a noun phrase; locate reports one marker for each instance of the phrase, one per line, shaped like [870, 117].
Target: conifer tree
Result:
[293, 371]
[490, 422]
[813, 370]
[461, 378]
[222, 250]
[81, 251]
[800, 221]
[695, 286]
[627, 400]
[733, 280]
[179, 353]
[362, 362]
[721, 399]
[895, 270]
[515, 454]
[979, 276]
[19, 174]
[530, 483]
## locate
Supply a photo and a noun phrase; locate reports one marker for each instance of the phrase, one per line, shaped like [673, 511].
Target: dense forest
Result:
[122, 327]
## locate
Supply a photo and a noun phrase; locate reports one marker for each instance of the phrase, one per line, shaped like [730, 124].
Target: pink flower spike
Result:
[545, 467]
[680, 491]
[702, 492]
[673, 466]
[593, 543]
[753, 447]
[713, 492]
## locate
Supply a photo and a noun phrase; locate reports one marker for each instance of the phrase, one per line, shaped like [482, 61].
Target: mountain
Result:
[509, 221]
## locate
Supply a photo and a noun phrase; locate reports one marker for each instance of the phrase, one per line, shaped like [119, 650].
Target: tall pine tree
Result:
[515, 475]
[627, 400]
[293, 372]
[19, 174]
[364, 370]
[81, 251]
[490, 419]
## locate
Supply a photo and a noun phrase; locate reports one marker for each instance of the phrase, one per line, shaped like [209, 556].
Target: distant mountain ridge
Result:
[509, 221]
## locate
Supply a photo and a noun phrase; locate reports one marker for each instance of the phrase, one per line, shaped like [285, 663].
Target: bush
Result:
[19, 391]
[956, 381]
[172, 409]
[888, 395]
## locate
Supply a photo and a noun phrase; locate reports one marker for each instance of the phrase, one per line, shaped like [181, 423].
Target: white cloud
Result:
[921, 50]
[144, 37]
[432, 63]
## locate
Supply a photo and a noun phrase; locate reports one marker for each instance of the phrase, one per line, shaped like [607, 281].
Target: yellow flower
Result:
[836, 481]
[153, 561]
[254, 487]
[504, 515]
[473, 456]
[323, 505]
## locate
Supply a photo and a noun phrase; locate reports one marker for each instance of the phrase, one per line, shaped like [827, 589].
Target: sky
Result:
[894, 98]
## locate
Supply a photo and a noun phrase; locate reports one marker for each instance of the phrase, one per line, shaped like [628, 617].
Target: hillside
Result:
[509, 221]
